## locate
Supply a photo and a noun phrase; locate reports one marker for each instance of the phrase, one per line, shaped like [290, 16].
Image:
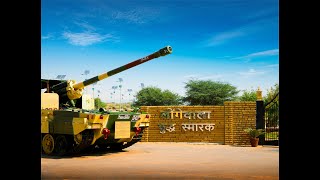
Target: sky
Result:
[229, 41]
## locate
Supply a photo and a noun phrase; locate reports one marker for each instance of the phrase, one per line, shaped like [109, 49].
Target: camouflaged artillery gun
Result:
[67, 127]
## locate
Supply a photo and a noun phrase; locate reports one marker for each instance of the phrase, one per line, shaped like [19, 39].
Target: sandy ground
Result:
[146, 160]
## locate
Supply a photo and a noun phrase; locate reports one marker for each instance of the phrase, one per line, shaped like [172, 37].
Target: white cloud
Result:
[204, 77]
[137, 16]
[191, 76]
[224, 37]
[131, 16]
[251, 72]
[49, 36]
[272, 52]
[272, 65]
[240, 31]
[261, 14]
[86, 38]
[85, 25]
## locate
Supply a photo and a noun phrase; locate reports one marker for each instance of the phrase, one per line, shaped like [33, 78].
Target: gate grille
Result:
[272, 121]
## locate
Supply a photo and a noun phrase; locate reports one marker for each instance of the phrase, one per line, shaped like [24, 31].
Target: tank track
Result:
[85, 144]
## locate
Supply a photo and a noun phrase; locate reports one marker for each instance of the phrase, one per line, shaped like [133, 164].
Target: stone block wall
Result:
[214, 124]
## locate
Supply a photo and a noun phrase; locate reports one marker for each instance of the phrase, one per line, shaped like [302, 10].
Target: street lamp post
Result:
[94, 103]
[86, 72]
[129, 90]
[120, 86]
[98, 100]
[114, 92]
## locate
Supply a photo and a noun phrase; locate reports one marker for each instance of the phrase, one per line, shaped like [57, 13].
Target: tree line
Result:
[198, 92]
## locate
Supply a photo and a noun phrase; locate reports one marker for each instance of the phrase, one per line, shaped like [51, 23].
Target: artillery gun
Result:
[66, 127]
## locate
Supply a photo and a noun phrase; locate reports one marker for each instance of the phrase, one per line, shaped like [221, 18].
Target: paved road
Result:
[146, 160]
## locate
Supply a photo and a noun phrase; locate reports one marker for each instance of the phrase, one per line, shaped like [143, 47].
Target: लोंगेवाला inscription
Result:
[178, 113]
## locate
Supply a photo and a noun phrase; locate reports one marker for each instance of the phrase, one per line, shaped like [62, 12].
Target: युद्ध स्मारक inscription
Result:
[196, 126]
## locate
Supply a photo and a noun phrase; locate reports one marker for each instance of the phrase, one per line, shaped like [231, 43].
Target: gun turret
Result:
[69, 90]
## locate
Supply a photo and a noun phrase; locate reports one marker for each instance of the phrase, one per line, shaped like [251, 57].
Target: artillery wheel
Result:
[61, 145]
[48, 144]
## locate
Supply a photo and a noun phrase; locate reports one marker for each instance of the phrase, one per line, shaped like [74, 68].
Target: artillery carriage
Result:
[67, 127]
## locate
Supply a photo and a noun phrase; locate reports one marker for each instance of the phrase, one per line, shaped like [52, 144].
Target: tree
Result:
[272, 93]
[199, 92]
[99, 104]
[248, 95]
[153, 96]
[170, 98]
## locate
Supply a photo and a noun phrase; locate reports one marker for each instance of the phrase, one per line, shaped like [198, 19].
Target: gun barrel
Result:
[162, 52]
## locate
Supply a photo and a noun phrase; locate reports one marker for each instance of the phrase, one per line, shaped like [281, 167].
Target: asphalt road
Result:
[146, 160]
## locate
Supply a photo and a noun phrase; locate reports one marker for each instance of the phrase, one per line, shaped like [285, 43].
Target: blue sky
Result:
[232, 41]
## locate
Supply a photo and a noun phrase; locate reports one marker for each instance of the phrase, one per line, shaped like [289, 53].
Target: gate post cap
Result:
[259, 94]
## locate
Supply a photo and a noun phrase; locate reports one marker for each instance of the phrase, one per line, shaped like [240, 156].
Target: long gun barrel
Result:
[162, 52]
[74, 91]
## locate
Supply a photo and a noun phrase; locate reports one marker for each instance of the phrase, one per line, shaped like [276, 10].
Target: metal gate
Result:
[271, 117]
